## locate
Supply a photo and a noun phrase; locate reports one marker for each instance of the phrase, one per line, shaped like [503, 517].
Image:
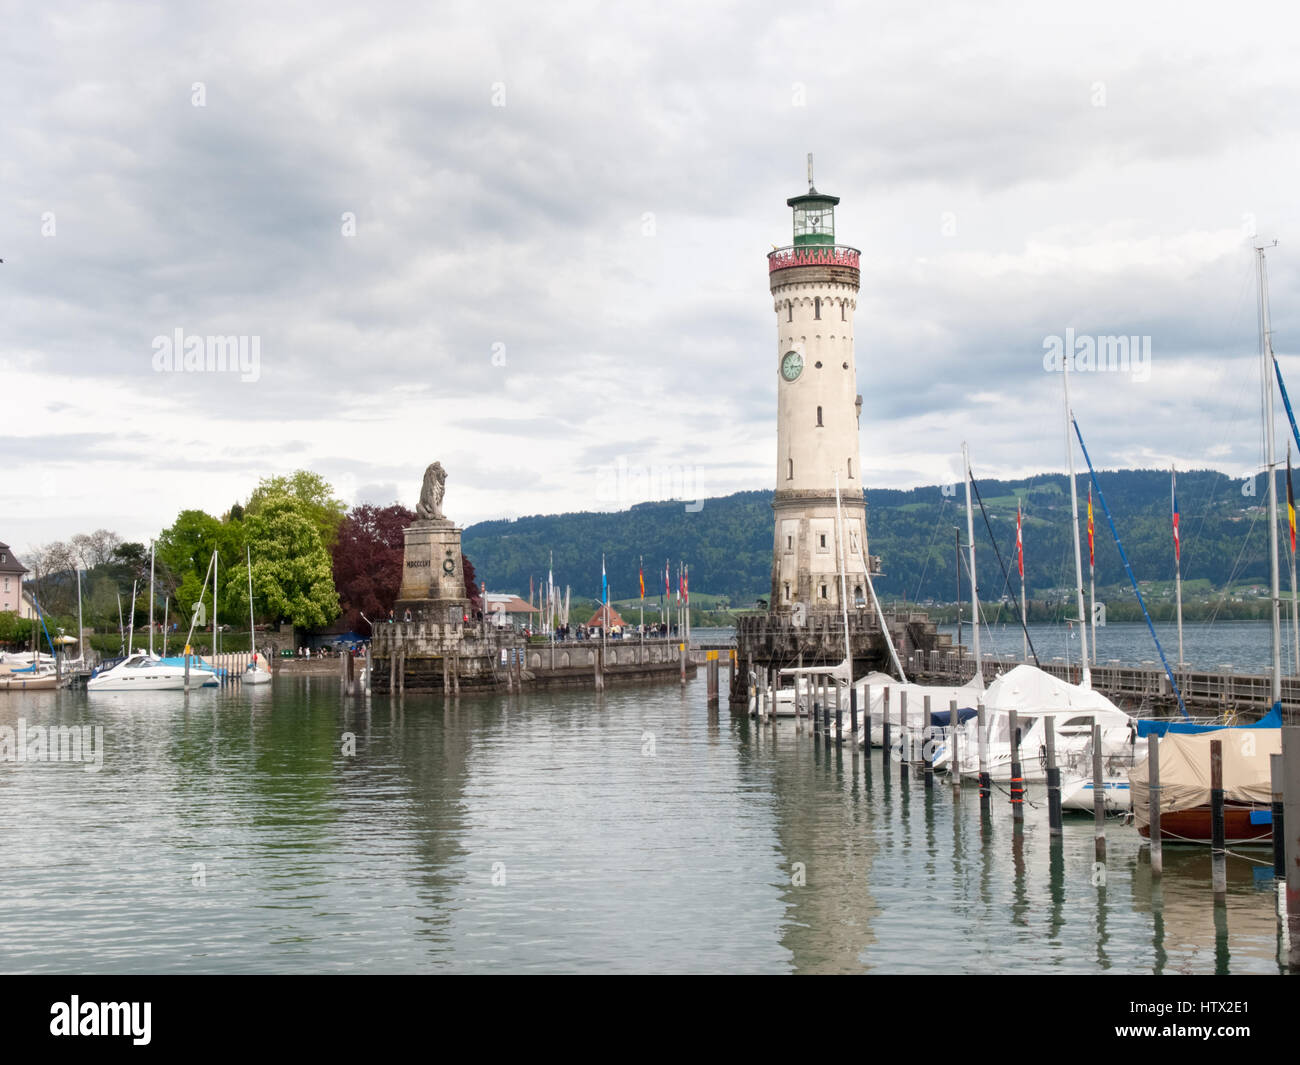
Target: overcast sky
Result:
[528, 240]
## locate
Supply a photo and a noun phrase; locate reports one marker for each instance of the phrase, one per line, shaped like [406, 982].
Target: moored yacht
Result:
[142, 672]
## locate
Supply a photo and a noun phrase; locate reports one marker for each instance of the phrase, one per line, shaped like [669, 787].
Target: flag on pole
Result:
[1290, 498]
[1178, 547]
[1020, 544]
[1092, 554]
[640, 576]
[604, 582]
[686, 584]
[679, 582]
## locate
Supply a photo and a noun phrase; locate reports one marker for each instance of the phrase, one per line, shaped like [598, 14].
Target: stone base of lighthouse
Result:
[806, 554]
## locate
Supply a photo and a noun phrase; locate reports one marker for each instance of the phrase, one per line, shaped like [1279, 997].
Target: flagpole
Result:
[1290, 521]
[974, 586]
[1178, 561]
[1092, 583]
[1020, 561]
[686, 598]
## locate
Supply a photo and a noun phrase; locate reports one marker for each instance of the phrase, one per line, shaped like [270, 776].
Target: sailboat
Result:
[1185, 811]
[258, 671]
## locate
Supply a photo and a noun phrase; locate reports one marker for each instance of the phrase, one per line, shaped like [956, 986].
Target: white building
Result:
[814, 284]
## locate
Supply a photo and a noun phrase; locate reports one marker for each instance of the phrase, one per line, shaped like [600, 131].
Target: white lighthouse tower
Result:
[814, 284]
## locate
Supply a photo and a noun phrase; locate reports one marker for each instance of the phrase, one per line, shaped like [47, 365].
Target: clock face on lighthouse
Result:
[791, 365]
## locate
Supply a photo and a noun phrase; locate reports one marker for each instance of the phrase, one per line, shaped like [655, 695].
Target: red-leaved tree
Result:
[368, 562]
[472, 591]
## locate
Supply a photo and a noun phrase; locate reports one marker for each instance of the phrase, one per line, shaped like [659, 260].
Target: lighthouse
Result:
[814, 283]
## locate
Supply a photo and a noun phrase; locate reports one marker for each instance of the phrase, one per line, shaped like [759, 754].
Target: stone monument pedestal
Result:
[433, 574]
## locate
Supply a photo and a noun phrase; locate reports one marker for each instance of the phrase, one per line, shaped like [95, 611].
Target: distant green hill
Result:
[728, 542]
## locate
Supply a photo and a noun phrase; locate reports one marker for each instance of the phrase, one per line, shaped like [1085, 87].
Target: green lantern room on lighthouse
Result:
[814, 215]
[814, 218]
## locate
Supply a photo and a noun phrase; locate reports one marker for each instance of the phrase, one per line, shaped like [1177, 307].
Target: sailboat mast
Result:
[1266, 351]
[974, 584]
[252, 638]
[1074, 511]
[1290, 508]
[150, 598]
[844, 589]
[1178, 563]
[957, 559]
[81, 626]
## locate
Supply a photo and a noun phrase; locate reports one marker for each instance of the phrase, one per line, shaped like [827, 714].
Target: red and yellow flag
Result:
[1092, 555]
[641, 577]
[1290, 500]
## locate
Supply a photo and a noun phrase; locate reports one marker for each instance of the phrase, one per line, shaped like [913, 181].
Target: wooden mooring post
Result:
[1053, 780]
[1098, 796]
[1291, 830]
[1017, 781]
[904, 736]
[982, 747]
[826, 709]
[1153, 805]
[853, 714]
[954, 752]
[885, 744]
[711, 668]
[927, 747]
[839, 715]
[1218, 846]
[1278, 808]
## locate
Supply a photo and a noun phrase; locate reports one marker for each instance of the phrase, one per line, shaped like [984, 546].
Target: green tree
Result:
[184, 552]
[292, 577]
[309, 489]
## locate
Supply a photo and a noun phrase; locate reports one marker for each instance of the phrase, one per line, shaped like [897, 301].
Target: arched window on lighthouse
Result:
[789, 469]
[842, 318]
[850, 469]
[789, 311]
[819, 417]
[817, 307]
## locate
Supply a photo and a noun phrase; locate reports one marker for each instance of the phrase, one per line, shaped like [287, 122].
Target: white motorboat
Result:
[142, 672]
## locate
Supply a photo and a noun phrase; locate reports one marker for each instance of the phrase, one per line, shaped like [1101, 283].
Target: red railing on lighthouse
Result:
[812, 255]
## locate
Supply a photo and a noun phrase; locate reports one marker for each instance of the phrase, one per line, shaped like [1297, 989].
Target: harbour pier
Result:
[427, 657]
[1225, 696]
[775, 641]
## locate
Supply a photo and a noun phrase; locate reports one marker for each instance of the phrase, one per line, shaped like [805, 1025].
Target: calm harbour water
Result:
[576, 833]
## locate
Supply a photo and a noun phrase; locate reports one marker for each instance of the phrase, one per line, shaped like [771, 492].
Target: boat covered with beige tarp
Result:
[1185, 784]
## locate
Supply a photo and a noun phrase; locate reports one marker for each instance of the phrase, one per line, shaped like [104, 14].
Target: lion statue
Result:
[431, 493]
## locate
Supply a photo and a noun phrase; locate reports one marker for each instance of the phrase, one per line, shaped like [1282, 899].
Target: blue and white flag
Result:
[604, 582]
